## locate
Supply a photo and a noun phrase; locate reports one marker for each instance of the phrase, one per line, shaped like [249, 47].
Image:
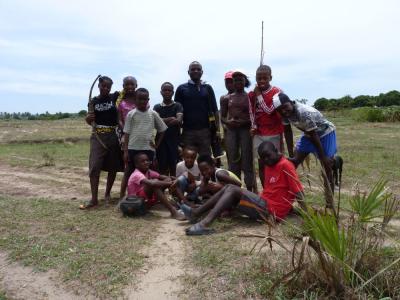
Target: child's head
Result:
[283, 105]
[129, 84]
[167, 91]
[206, 165]
[142, 162]
[263, 77]
[142, 99]
[268, 153]
[105, 84]
[240, 81]
[189, 156]
[229, 82]
[195, 71]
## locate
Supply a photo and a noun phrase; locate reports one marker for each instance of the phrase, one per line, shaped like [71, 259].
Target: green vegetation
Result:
[101, 249]
[46, 116]
[374, 114]
[382, 100]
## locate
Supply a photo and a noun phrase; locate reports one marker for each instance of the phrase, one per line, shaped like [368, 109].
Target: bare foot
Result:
[178, 216]
[107, 199]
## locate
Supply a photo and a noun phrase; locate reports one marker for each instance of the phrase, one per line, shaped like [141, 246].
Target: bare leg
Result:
[210, 202]
[161, 197]
[110, 182]
[230, 197]
[94, 187]
[124, 182]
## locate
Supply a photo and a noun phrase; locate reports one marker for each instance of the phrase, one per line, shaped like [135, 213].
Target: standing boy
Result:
[266, 123]
[171, 112]
[140, 124]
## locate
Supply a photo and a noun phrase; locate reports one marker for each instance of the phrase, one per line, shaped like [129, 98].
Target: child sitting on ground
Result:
[214, 178]
[149, 185]
[188, 177]
[282, 186]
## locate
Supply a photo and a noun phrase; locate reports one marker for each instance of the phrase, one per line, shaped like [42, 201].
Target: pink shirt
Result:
[124, 107]
[135, 186]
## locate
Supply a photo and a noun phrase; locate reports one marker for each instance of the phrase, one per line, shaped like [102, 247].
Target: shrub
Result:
[375, 114]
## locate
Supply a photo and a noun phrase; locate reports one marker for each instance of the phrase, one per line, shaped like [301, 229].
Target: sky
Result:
[51, 51]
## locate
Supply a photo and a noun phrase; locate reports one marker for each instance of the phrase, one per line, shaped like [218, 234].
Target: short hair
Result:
[129, 78]
[167, 83]
[247, 80]
[142, 90]
[195, 62]
[190, 148]
[136, 157]
[105, 78]
[206, 158]
[264, 68]
[266, 145]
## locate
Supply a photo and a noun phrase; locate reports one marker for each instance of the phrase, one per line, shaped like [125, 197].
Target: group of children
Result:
[129, 136]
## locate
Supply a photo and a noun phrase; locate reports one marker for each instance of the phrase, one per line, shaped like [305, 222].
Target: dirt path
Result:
[23, 283]
[162, 278]
[159, 280]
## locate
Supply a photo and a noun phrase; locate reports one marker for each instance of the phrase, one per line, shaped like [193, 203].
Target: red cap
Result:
[228, 75]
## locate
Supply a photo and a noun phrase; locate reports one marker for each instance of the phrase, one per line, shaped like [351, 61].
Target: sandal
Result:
[88, 205]
[198, 229]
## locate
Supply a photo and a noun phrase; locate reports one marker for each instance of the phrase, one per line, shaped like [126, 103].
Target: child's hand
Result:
[90, 117]
[253, 132]
[257, 91]
[191, 187]
[152, 145]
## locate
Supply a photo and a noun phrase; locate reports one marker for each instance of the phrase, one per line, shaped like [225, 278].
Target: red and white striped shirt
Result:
[263, 115]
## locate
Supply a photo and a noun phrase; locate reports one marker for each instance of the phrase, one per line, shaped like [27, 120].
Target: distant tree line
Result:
[43, 116]
[382, 100]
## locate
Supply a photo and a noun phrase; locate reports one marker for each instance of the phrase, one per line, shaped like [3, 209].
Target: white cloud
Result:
[309, 43]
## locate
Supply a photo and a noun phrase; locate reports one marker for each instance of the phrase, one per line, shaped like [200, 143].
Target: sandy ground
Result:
[160, 279]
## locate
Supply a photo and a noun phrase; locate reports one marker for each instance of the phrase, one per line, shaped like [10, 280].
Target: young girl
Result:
[105, 153]
[235, 116]
[126, 102]
[266, 123]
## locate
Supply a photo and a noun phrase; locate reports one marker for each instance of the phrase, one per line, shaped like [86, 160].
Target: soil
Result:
[160, 279]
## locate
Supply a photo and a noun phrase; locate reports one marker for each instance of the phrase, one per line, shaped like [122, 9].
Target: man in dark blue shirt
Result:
[198, 101]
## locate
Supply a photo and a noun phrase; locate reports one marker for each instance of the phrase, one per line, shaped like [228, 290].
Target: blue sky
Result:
[50, 51]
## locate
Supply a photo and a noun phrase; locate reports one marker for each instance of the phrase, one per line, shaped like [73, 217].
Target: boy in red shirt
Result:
[266, 123]
[282, 186]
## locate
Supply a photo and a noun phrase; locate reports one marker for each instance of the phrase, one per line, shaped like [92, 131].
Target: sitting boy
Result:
[149, 185]
[214, 179]
[282, 186]
[188, 177]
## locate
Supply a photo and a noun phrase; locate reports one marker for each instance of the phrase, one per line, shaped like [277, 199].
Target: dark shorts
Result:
[252, 205]
[102, 159]
[201, 139]
[167, 155]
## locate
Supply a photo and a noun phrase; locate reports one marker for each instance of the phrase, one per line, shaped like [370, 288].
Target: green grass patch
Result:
[99, 249]
[46, 154]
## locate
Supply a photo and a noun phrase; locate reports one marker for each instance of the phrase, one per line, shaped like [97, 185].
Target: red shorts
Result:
[150, 201]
